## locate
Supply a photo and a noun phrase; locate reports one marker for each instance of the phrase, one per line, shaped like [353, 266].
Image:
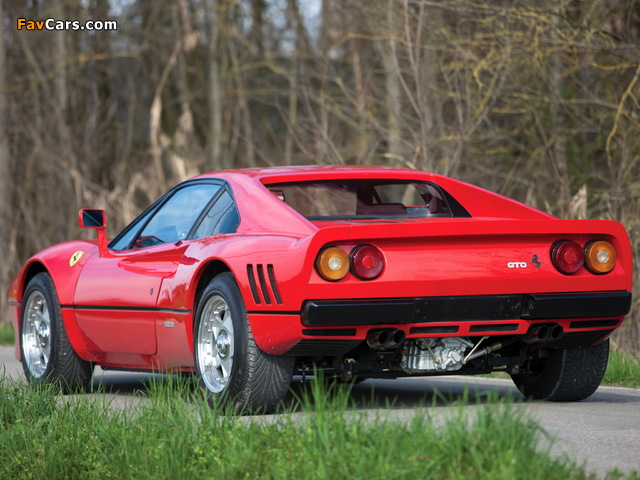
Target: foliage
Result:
[177, 435]
[536, 100]
[7, 336]
[623, 370]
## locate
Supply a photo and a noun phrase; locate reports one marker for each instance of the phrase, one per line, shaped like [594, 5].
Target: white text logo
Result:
[517, 265]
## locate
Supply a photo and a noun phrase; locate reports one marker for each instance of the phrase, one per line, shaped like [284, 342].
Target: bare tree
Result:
[536, 100]
[6, 185]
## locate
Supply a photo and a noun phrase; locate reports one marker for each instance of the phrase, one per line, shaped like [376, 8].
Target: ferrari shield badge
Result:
[75, 258]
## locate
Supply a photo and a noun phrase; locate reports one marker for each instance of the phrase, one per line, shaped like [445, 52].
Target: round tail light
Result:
[567, 257]
[600, 257]
[367, 262]
[332, 263]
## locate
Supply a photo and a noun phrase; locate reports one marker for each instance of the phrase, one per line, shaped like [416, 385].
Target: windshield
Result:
[362, 199]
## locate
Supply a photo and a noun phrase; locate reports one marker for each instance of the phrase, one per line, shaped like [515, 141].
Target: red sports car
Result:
[247, 277]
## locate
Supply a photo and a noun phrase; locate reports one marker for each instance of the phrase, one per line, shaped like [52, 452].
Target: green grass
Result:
[177, 435]
[6, 334]
[623, 370]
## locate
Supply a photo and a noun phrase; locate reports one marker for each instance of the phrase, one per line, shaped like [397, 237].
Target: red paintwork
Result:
[155, 287]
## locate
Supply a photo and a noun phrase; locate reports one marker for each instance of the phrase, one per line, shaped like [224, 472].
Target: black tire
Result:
[47, 354]
[566, 375]
[230, 367]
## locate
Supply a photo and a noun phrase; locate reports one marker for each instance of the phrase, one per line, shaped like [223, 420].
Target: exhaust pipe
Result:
[543, 333]
[556, 332]
[397, 338]
[385, 338]
[538, 334]
[376, 339]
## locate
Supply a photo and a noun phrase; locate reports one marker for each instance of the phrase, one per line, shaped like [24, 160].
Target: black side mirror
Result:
[92, 218]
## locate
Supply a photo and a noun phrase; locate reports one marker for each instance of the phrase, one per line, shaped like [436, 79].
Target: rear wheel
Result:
[565, 375]
[230, 366]
[47, 354]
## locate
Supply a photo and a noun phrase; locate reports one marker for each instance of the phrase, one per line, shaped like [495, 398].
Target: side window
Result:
[222, 217]
[175, 218]
[123, 241]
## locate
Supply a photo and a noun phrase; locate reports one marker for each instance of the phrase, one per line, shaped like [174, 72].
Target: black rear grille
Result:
[434, 330]
[329, 332]
[264, 288]
[494, 327]
[579, 339]
[595, 323]
[322, 348]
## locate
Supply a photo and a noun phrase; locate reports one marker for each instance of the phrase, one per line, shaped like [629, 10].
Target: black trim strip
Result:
[14, 304]
[468, 308]
[127, 308]
[272, 312]
[180, 311]
[465, 308]
[575, 305]
[323, 313]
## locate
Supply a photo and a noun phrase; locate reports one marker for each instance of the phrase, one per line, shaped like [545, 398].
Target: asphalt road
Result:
[603, 432]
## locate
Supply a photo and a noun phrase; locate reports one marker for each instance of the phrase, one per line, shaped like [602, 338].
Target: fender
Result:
[63, 263]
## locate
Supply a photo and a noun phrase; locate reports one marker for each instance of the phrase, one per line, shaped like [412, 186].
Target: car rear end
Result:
[425, 275]
[472, 277]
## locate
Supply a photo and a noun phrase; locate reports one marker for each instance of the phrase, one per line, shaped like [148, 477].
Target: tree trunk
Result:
[215, 90]
[5, 171]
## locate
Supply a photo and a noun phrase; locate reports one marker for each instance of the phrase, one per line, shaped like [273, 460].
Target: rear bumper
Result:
[471, 308]
[334, 327]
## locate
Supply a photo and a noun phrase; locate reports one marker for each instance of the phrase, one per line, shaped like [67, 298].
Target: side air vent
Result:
[252, 284]
[263, 285]
[274, 284]
[264, 288]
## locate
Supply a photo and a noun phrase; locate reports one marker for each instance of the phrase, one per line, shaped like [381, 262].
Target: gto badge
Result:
[517, 265]
[75, 258]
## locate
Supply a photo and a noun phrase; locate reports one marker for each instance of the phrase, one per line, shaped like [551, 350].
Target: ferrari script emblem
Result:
[75, 258]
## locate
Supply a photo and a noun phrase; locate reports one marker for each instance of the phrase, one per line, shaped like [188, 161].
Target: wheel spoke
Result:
[225, 366]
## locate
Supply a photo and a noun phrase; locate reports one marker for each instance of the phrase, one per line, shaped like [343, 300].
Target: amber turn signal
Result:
[332, 263]
[600, 257]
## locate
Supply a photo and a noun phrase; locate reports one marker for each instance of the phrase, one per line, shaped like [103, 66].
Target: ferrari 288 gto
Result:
[248, 277]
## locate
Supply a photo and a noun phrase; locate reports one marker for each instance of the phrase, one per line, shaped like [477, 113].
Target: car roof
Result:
[476, 200]
[269, 175]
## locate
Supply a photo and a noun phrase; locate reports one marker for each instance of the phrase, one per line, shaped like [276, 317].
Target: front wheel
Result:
[565, 375]
[47, 354]
[230, 366]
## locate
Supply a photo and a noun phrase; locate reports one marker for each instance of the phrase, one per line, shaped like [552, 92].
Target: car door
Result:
[116, 295]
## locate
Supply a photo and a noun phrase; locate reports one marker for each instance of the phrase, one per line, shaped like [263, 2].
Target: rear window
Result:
[364, 199]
